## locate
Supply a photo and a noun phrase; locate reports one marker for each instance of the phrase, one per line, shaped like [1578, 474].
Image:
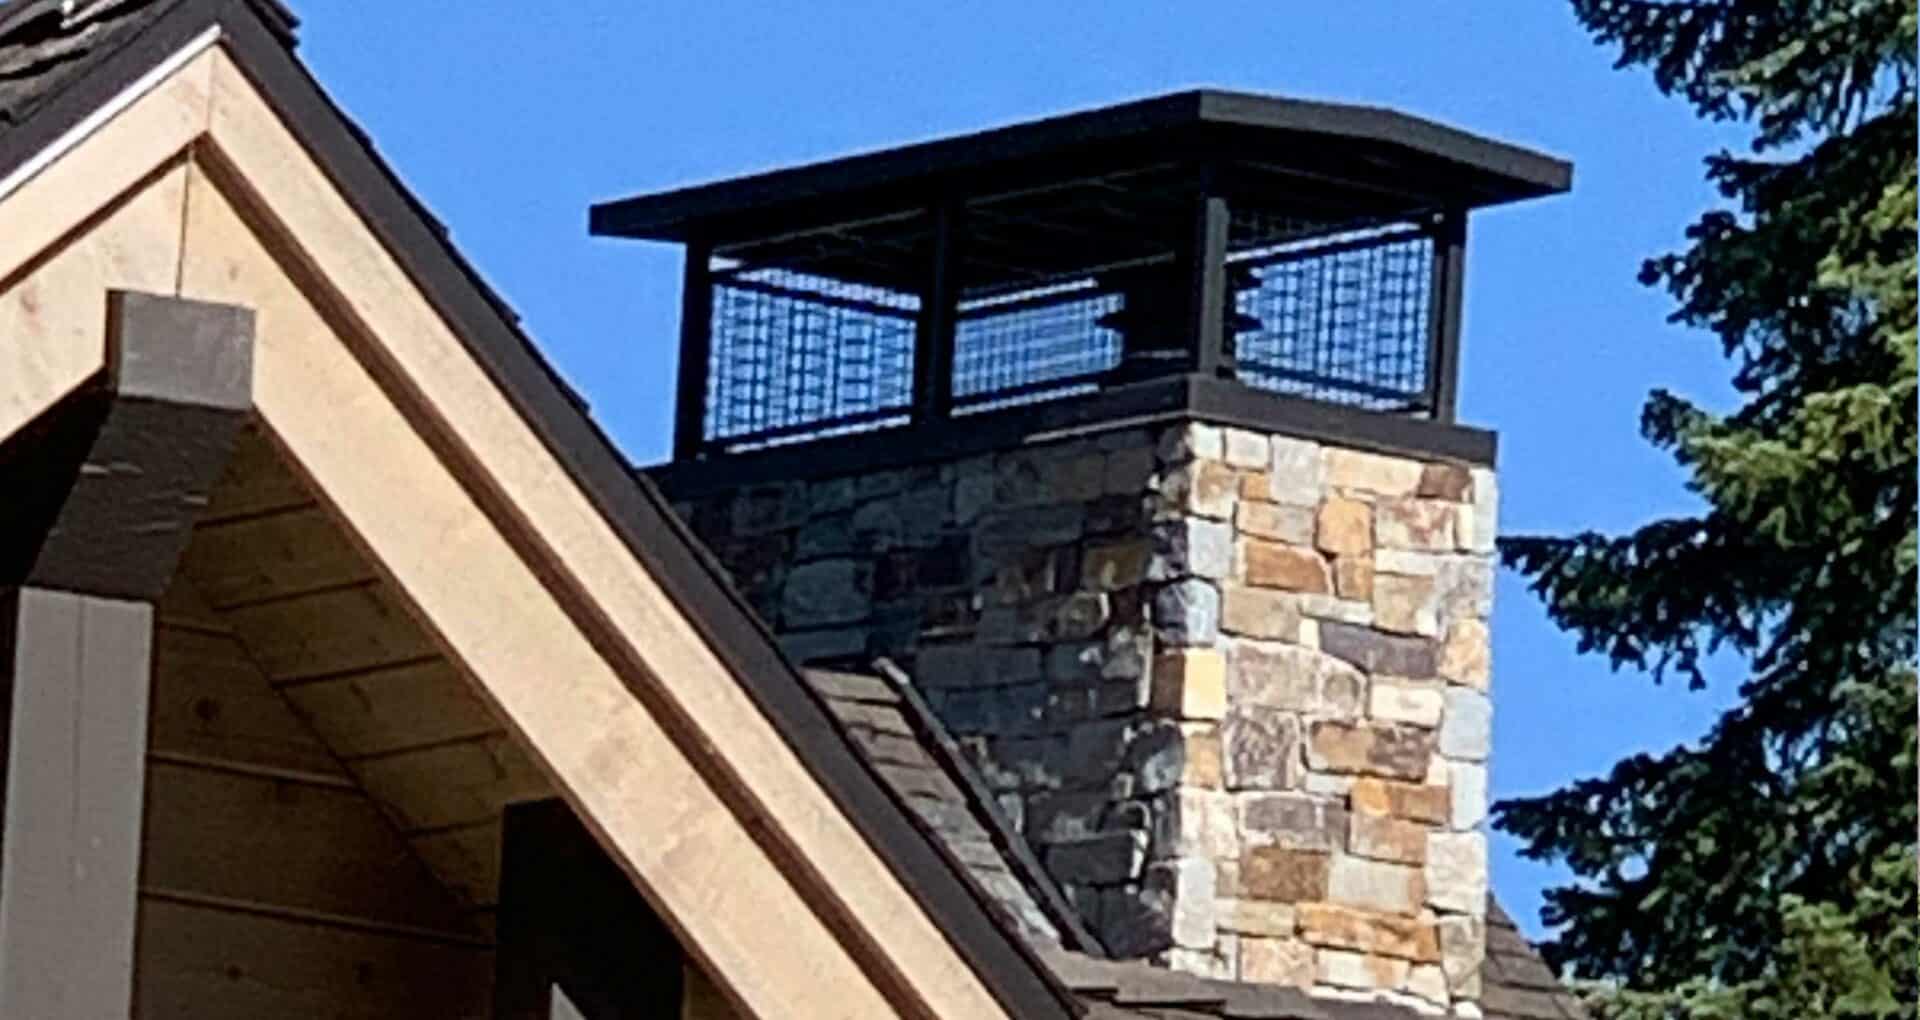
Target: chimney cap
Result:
[1392, 162]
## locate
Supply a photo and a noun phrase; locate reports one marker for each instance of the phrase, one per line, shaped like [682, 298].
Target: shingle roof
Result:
[919, 760]
[45, 45]
[1516, 983]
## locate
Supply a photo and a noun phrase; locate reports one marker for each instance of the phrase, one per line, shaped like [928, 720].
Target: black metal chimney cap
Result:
[1358, 157]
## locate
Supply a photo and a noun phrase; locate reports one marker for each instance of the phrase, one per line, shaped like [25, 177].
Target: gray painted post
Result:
[75, 685]
[102, 491]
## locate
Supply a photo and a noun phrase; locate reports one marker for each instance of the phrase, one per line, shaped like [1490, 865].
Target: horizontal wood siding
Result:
[272, 883]
[204, 962]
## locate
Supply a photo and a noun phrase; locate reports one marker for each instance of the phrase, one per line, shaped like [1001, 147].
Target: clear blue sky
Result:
[508, 118]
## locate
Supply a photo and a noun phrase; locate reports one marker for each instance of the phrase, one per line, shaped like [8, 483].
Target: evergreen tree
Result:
[1768, 870]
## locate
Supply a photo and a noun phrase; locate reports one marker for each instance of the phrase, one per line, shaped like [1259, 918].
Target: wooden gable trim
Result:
[45, 215]
[652, 804]
[529, 485]
[591, 523]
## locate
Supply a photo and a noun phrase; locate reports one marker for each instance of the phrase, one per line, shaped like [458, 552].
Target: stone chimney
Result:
[1231, 684]
[1130, 435]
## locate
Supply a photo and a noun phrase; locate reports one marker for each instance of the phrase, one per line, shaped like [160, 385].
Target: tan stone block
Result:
[1413, 704]
[1353, 578]
[1406, 605]
[1452, 482]
[1111, 566]
[1425, 525]
[1289, 876]
[1344, 968]
[1226, 878]
[1190, 684]
[1268, 961]
[1416, 802]
[1271, 565]
[1344, 527]
[1207, 488]
[1406, 938]
[1258, 612]
[1257, 917]
[1466, 655]
[1380, 886]
[1372, 472]
[1385, 838]
[1276, 522]
[1200, 768]
[1408, 563]
[1394, 752]
[1256, 486]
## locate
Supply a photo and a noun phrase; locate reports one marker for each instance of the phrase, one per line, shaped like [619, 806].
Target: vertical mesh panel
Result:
[797, 355]
[1032, 345]
[1340, 318]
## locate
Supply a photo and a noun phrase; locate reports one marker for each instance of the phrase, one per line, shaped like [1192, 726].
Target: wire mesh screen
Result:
[798, 356]
[1340, 318]
[1032, 345]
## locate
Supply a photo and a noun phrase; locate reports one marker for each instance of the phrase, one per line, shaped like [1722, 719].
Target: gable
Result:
[771, 864]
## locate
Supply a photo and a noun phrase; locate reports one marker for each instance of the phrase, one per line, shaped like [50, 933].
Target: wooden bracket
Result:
[103, 487]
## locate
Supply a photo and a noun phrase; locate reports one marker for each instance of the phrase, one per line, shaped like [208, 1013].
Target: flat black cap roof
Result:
[1361, 159]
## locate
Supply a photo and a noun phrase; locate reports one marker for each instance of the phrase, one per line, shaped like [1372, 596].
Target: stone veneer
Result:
[1232, 686]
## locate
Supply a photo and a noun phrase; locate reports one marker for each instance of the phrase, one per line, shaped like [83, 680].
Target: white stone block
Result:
[1467, 787]
[1466, 727]
[1245, 449]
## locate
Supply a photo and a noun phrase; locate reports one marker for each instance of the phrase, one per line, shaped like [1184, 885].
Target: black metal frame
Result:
[1208, 351]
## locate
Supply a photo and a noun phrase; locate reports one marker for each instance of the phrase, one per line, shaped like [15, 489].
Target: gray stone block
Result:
[826, 592]
[1064, 816]
[1191, 547]
[1260, 748]
[1003, 534]
[1295, 821]
[1187, 612]
[1156, 757]
[821, 537]
[969, 665]
[1107, 858]
[1414, 658]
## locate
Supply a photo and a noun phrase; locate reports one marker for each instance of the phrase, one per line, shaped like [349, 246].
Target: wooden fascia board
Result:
[618, 606]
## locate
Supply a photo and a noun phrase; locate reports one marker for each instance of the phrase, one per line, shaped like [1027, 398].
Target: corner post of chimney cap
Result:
[696, 351]
[938, 320]
[1447, 288]
[1207, 253]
